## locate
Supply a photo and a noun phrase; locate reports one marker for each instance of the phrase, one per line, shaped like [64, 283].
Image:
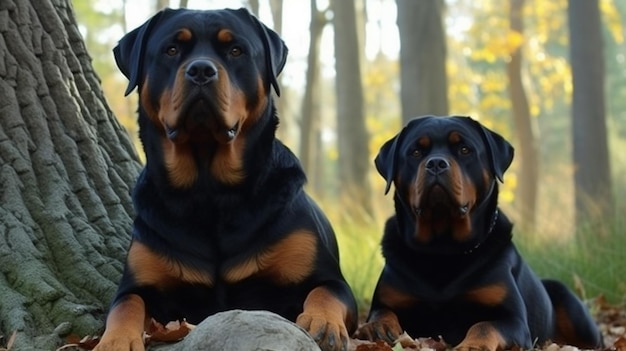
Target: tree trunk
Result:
[423, 79]
[67, 171]
[310, 112]
[527, 152]
[276, 7]
[254, 7]
[592, 176]
[161, 4]
[352, 137]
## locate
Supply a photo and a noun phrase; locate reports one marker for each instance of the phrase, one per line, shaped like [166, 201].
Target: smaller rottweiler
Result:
[451, 269]
[222, 219]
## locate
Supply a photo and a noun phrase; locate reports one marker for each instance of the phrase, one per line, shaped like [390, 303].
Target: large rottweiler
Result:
[451, 269]
[222, 219]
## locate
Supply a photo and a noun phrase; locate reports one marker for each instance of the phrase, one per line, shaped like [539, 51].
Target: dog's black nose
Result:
[201, 72]
[437, 165]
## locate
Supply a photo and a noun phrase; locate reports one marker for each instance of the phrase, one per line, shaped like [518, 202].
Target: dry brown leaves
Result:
[611, 320]
[156, 333]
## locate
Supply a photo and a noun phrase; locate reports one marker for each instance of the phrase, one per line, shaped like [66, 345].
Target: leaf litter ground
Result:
[611, 320]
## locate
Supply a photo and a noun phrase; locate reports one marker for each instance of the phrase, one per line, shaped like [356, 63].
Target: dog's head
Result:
[445, 172]
[204, 78]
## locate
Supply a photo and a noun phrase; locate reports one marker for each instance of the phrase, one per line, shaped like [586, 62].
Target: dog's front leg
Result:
[324, 317]
[125, 325]
[382, 325]
[496, 335]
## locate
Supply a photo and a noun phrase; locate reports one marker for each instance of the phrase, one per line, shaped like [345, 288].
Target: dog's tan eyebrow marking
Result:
[184, 35]
[225, 36]
[423, 142]
[454, 137]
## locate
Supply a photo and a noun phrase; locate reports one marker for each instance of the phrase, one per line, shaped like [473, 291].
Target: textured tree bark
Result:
[423, 80]
[66, 170]
[527, 150]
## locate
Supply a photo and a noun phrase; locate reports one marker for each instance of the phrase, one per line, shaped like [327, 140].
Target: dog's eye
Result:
[464, 150]
[236, 51]
[416, 153]
[171, 50]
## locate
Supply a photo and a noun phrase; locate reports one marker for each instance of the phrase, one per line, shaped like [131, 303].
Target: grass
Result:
[361, 259]
[592, 261]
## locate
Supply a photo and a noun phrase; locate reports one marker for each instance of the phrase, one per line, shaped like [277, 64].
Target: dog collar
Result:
[492, 225]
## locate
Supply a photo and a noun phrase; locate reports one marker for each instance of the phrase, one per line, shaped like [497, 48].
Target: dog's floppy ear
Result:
[386, 160]
[274, 46]
[499, 150]
[130, 51]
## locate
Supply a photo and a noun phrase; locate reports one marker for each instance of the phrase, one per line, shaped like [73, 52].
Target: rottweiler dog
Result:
[222, 221]
[451, 269]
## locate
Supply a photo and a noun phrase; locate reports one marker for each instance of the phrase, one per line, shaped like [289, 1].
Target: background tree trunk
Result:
[527, 151]
[592, 174]
[311, 109]
[423, 79]
[161, 4]
[67, 168]
[354, 162]
[254, 7]
[276, 7]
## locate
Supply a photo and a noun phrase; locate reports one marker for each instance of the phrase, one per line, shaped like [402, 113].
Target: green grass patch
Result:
[361, 259]
[592, 261]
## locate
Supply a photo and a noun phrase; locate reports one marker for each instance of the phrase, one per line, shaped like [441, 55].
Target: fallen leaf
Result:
[87, 343]
[374, 346]
[172, 331]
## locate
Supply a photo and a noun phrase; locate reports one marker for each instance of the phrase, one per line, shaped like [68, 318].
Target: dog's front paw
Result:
[383, 325]
[330, 335]
[120, 342]
[482, 336]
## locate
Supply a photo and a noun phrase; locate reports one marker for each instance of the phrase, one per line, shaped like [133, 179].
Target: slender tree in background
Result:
[592, 176]
[161, 4]
[276, 8]
[254, 5]
[311, 110]
[423, 79]
[527, 152]
[67, 168]
[354, 160]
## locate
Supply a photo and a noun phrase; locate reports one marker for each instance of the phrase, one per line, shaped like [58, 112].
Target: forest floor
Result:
[611, 320]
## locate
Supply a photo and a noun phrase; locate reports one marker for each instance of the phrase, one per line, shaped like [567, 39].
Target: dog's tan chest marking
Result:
[150, 268]
[490, 295]
[394, 298]
[289, 261]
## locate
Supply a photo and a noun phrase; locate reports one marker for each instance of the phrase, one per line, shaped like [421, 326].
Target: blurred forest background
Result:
[550, 76]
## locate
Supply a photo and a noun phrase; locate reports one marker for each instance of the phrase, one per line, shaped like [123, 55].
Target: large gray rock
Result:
[239, 330]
